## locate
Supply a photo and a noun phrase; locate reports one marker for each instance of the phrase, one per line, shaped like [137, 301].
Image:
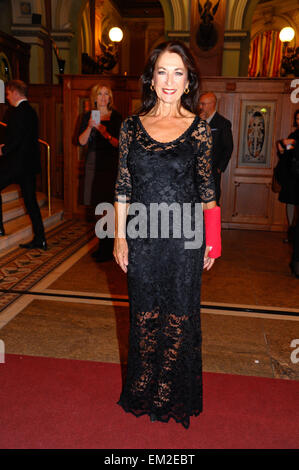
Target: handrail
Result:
[48, 168]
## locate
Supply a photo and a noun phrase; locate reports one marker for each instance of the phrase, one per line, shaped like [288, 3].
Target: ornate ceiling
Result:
[139, 8]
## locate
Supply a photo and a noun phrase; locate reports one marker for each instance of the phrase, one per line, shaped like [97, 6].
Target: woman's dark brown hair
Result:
[295, 115]
[149, 98]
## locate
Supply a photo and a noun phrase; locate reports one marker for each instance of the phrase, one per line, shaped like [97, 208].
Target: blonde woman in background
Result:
[102, 155]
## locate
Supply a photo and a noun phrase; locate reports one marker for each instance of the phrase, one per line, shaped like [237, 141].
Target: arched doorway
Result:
[239, 19]
[267, 50]
[243, 23]
[175, 13]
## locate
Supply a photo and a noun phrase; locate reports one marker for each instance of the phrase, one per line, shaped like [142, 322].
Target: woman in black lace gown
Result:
[165, 158]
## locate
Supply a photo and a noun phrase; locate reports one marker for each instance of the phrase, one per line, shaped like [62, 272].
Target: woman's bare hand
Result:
[280, 147]
[289, 142]
[207, 261]
[120, 253]
[101, 128]
[92, 123]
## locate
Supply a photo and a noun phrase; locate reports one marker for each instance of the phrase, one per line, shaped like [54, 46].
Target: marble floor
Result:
[250, 310]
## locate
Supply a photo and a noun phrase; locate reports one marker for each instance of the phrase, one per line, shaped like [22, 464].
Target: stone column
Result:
[36, 36]
[232, 50]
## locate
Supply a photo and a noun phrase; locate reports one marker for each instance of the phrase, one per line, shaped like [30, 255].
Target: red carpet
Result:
[65, 404]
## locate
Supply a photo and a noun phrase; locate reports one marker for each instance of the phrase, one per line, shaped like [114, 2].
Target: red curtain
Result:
[265, 55]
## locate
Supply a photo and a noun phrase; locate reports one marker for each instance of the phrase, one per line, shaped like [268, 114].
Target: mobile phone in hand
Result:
[96, 116]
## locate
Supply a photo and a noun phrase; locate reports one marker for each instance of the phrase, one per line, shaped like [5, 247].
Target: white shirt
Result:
[209, 119]
[23, 99]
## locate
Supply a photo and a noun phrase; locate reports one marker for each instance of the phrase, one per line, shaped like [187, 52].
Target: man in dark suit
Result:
[20, 158]
[221, 135]
[295, 256]
[292, 147]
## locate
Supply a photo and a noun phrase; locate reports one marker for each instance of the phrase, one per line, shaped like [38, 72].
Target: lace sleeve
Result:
[123, 186]
[204, 176]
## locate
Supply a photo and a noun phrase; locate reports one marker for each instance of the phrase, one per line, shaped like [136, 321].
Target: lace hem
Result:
[185, 422]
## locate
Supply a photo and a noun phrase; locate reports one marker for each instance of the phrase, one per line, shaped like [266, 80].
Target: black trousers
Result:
[296, 243]
[217, 180]
[28, 188]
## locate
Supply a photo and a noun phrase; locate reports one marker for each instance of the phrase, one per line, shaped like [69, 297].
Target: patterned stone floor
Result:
[21, 269]
[73, 307]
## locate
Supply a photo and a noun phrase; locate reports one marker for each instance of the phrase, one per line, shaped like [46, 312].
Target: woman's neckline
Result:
[171, 141]
[107, 114]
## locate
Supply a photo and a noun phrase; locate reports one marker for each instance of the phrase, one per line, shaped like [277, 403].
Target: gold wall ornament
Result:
[207, 34]
[207, 24]
[5, 68]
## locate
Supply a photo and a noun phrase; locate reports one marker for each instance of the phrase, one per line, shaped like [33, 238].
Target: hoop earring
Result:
[152, 87]
[186, 91]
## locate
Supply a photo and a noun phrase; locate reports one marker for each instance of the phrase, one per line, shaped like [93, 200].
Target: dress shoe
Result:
[295, 268]
[41, 244]
[2, 231]
[290, 235]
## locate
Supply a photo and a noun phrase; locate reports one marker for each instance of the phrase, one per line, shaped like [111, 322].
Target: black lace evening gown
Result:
[164, 375]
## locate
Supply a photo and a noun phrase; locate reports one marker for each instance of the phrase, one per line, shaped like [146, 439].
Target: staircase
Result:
[17, 223]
